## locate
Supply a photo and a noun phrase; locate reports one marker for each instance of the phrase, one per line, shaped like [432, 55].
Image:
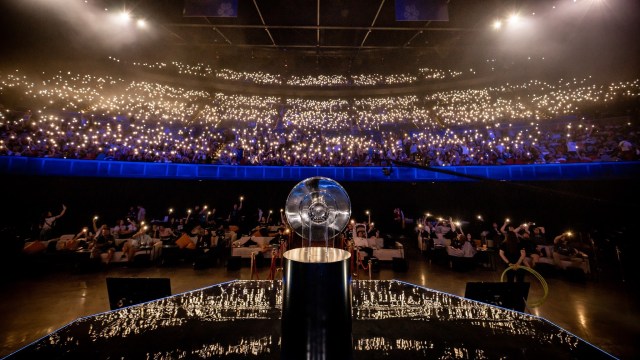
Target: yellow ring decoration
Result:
[543, 282]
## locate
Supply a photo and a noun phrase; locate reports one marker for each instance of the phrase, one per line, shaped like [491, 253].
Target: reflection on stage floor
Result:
[241, 319]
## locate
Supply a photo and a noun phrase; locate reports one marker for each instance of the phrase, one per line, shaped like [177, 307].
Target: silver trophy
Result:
[316, 303]
[318, 209]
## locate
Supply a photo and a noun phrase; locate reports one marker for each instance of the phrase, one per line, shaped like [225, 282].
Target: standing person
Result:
[49, 222]
[142, 214]
[513, 253]
[132, 213]
[495, 235]
[398, 220]
[203, 216]
[234, 215]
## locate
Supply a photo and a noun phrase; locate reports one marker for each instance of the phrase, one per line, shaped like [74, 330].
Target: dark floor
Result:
[601, 309]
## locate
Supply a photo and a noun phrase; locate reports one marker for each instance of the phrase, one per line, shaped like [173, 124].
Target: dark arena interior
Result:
[456, 127]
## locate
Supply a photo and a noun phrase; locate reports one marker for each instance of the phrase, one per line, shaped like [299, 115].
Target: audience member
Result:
[104, 242]
[79, 241]
[141, 216]
[49, 223]
[538, 241]
[124, 229]
[360, 239]
[132, 213]
[562, 244]
[279, 238]
[140, 240]
[461, 246]
[512, 253]
[495, 235]
[235, 214]
[166, 233]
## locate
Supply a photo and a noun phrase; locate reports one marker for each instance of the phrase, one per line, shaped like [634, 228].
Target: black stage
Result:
[241, 320]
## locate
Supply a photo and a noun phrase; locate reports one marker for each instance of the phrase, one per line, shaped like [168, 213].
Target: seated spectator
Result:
[105, 243]
[444, 233]
[79, 241]
[279, 238]
[538, 237]
[203, 237]
[140, 239]
[461, 254]
[360, 240]
[530, 248]
[626, 152]
[260, 231]
[373, 232]
[534, 243]
[347, 233]
[124, 229]
[203, 242]
[219, 245]
[165, 233]
[220, 238]
[461, 247]
[83, 240]
[563, 246]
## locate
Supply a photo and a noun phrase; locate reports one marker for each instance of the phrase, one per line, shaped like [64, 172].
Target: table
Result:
[170, 254]
[438, 255]
[487, 259]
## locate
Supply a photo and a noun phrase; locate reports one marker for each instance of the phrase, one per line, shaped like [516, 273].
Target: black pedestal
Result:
[316, 304]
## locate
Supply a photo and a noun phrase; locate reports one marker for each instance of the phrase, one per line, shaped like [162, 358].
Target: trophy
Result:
[316, 301]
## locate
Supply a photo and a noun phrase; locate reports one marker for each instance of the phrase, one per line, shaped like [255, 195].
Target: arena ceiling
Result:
[333, 35]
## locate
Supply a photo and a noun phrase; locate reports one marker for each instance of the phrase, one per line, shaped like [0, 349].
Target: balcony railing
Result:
[118, 169]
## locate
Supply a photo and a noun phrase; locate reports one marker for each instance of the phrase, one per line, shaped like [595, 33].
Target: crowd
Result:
[523, 245]
[204, 71]
[517, 244]
[107, 118]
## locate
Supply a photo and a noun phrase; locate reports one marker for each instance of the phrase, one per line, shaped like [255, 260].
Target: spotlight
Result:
[124, 17]
[514, 19]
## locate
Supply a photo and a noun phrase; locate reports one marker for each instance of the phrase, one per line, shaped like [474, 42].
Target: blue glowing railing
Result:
[119, 169]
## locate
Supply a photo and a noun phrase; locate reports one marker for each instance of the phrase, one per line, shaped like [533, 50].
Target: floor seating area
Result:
[62, 250]
[160, 251]
[393, 249]
[488, 258]
[247, 245]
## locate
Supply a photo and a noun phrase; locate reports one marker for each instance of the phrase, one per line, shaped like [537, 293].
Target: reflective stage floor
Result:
[601, 311]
